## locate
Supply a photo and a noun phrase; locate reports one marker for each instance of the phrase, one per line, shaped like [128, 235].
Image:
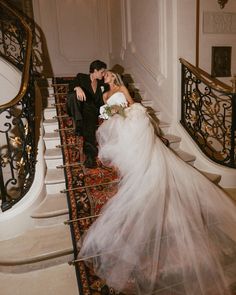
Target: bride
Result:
[168, 229]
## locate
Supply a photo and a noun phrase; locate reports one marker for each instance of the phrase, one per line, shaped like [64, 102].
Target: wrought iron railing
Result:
[208, 113]
[17, 116]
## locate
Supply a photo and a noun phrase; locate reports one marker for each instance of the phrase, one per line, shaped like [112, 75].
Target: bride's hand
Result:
[80, 93]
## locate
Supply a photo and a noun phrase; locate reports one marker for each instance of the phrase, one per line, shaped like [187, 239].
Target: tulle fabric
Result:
[168, 229]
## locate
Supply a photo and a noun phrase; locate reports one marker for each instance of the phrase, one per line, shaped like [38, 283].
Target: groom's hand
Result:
[80, 93]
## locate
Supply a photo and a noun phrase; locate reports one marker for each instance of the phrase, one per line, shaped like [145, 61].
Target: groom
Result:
[83, 105]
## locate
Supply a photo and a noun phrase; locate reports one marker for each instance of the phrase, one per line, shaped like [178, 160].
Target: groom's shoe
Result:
[90, 162]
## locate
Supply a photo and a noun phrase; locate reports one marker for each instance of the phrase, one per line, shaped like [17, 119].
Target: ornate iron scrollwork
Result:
[208, 114]
[17, 117]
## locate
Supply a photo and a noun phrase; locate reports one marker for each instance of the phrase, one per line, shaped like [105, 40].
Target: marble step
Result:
[52, 210]
[185, 156]
[38, 248]
[49, 113]
[51, 101]
[164, 126]
[50, 90]
[215, 178]
[55, 181]
[53, 158]
[52, 139]
[173, 140]
[58, 279]
[50, 125]
[231, 192]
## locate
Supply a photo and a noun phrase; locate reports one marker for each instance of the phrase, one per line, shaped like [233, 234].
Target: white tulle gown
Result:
[168, 230]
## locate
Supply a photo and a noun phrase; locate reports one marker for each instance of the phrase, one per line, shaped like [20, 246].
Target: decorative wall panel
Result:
[146, 35]
[76, 32]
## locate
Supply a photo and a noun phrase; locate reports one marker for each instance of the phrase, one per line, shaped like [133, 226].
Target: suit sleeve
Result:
[76, 82]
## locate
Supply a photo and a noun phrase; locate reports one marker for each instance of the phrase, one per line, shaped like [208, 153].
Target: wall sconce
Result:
[222, 3]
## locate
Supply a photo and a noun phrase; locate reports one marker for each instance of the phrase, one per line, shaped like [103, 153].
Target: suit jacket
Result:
[83, 81]
[85, 112]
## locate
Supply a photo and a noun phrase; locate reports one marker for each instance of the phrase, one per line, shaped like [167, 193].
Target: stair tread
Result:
[211, 176]
[49, 108]
[36, 244]
[40, 281]
[50, 121]
[54, 176]
[185, 156]
[163, 124]
[51, 135]
[53, 153]
[52, 205]
[172, 138]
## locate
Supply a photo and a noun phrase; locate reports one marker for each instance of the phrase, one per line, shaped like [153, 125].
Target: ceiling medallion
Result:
[222, 3]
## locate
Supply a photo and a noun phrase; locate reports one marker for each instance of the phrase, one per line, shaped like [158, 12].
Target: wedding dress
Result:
[168, 229]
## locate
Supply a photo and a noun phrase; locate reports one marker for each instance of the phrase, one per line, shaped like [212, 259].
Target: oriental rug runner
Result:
[87, 189]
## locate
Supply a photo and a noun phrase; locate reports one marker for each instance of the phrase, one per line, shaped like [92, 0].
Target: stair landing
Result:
[55, 280]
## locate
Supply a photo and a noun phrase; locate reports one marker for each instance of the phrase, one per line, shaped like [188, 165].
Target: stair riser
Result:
[31, 266]
[55, 188]
[51, 144]
[174, 145]
[49, 113]
[53, 163]
[165, 129]
[50, 90]
[51, 101]
[50, 127]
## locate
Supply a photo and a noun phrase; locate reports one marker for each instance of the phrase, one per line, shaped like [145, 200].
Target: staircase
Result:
[36, 262]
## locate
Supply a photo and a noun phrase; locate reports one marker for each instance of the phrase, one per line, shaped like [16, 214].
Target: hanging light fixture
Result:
[222, 3]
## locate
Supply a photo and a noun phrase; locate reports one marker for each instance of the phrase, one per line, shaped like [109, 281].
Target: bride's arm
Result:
[105, 97]
[127, 95]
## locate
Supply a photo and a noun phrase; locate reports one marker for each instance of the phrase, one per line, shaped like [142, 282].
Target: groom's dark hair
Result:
[97, 65]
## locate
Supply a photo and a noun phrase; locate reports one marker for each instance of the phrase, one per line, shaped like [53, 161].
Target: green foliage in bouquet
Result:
[115, 109]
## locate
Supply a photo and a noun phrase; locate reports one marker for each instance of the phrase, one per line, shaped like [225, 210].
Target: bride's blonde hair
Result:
[118, 81]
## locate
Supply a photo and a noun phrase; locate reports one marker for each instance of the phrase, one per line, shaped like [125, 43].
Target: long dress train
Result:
[168, 229]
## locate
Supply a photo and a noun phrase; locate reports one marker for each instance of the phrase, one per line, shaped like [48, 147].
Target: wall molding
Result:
[94, 28]
[158, 74]
[123, 30]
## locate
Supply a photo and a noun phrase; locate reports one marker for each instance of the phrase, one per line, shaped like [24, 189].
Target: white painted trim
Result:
[228, 175]
[17, 220]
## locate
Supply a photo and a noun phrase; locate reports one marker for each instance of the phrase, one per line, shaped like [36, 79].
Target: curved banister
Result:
[26, 68]
[208, 113]
[18, 123]
[207, 78]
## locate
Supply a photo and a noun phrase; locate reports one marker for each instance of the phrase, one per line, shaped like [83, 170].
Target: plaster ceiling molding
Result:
[78, 30]
[147, 35]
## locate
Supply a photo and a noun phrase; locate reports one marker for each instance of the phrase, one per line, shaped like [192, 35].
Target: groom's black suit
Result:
[85, 113]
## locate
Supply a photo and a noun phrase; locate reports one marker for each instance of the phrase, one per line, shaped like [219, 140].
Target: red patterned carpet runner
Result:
[86, 191]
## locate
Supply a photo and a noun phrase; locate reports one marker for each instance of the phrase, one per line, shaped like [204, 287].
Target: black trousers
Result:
[85, 116]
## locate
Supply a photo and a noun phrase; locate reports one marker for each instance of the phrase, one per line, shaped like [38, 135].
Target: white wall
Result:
[75, 31]
[154, 34]
[10, 81]
[217, 28]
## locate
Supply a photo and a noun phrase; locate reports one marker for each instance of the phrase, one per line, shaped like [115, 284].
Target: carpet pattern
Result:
[86, 191]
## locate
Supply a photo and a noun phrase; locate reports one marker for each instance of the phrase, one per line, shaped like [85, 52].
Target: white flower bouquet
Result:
[107, 111]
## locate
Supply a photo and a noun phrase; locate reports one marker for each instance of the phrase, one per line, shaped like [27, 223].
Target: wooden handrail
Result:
[25, 72]
[208, 79]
